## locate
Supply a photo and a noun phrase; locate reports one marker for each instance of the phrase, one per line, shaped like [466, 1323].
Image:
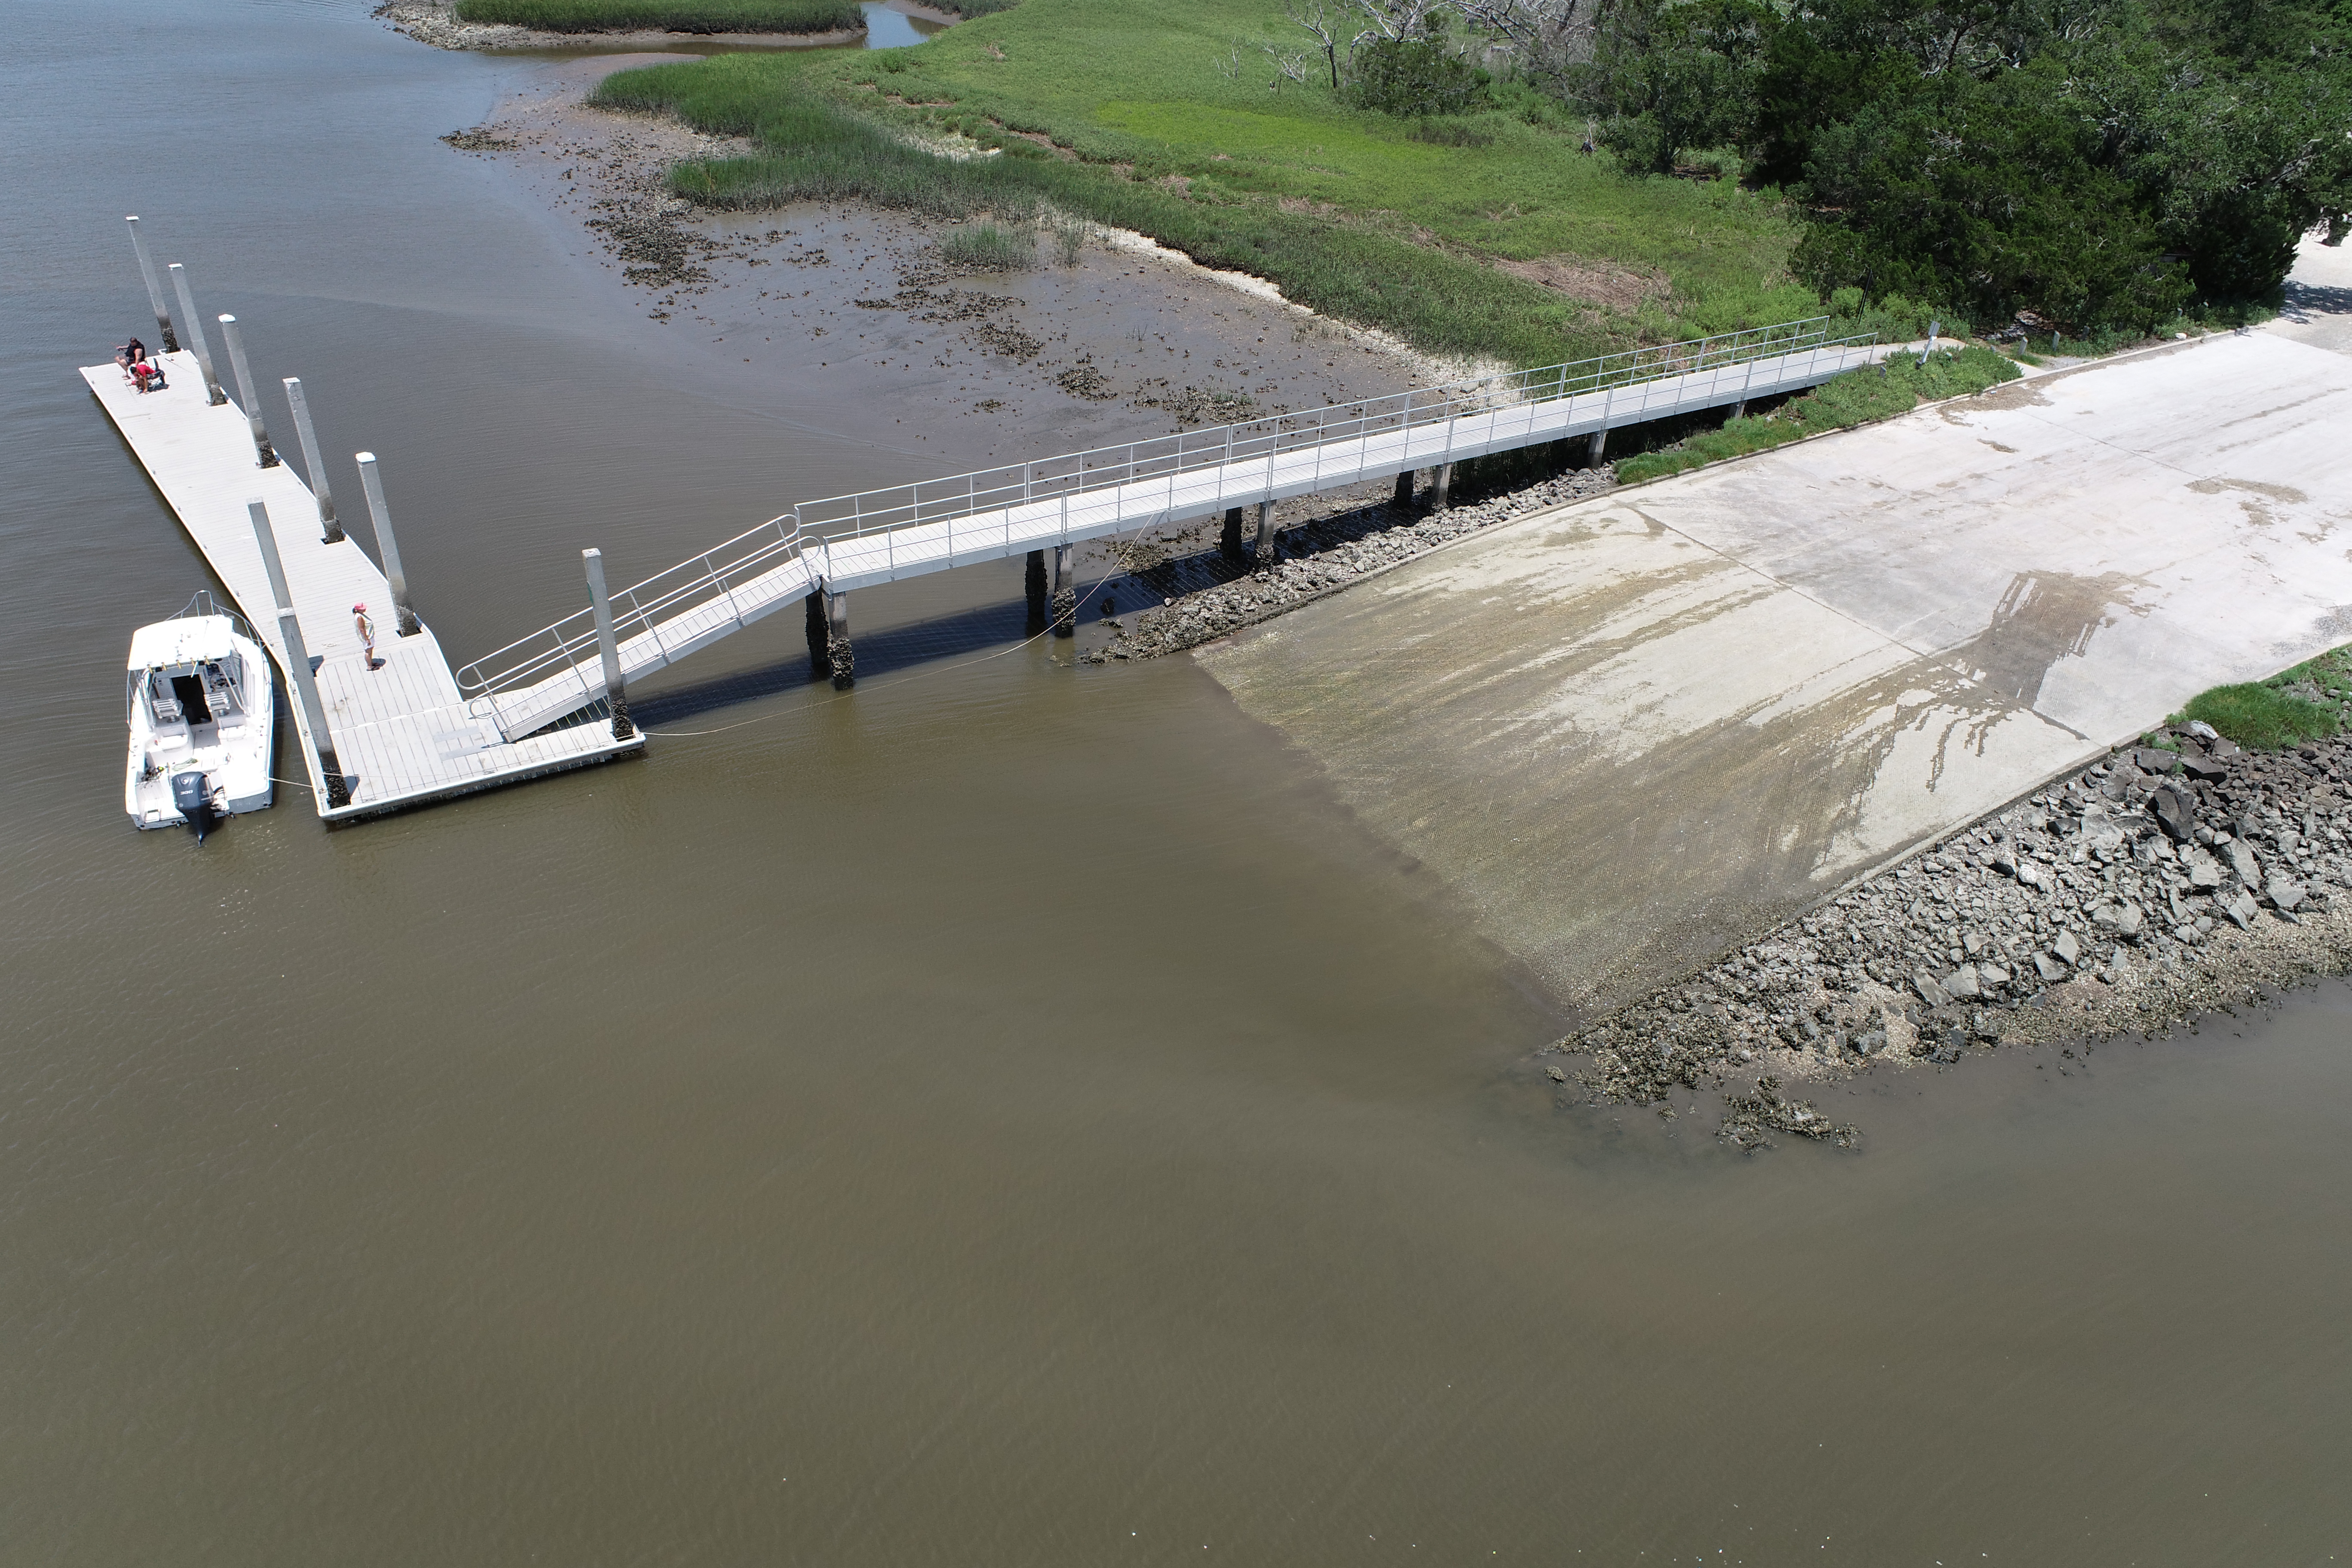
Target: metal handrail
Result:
[819, 525]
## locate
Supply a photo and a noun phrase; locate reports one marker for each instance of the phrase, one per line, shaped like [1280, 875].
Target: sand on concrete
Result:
[1635, 733]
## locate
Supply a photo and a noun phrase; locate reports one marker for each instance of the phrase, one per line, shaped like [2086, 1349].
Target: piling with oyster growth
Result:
[154, 288]
[262, 447]
[329, 529]
[608, 647]
[1032, 585]
[298, 658]
[213, 393]
[1066, 591]
[403, 613]
[837, 652]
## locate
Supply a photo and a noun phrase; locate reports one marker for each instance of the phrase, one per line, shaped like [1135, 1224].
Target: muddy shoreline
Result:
[855, 311]
[436, 23]
[2126, 899]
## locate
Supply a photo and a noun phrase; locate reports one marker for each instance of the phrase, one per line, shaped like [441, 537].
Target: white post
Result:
[309, 439]
[607, 646]
[245, 390]
[298, 658]
[213, 393]
[403, 613]
[154, 288]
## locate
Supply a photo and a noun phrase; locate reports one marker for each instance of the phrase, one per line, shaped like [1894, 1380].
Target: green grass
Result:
[669, 16]
[1857, 397]
[1350, 213]
[987, 247]
[2309, 702]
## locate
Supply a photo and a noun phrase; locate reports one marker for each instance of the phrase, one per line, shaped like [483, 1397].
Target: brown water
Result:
[1006, 1117]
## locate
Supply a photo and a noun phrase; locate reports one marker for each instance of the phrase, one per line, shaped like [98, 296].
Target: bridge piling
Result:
[1229, 542]
[837, 655]
[813, 613]
[1032, 585]
[1594, 447]
[1441, 487]
[1066, 591]
[1403, 497]
[1265, 550]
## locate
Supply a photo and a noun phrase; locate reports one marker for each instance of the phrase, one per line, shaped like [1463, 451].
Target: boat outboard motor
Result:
[193, 797]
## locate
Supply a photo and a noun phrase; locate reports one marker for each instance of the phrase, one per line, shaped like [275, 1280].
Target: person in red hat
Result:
[366, 625]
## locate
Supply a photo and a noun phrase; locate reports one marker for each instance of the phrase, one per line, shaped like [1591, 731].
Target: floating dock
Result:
[402, 736]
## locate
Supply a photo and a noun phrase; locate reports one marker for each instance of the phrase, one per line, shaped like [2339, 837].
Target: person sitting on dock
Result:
[128, 355]
[366, 625]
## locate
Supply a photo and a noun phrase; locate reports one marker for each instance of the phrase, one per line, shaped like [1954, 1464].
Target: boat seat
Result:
[168, 710]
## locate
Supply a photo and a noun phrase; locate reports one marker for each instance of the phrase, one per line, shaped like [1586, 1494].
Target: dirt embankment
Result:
[2145, 889]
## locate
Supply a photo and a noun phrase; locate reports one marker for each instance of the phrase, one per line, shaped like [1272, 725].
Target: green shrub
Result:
[669, 16]
[1450, 132]
[987, 247]
[1416, 76]
[2261, 718]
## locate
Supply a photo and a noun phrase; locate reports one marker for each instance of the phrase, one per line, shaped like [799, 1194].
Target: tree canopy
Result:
[2095, 162]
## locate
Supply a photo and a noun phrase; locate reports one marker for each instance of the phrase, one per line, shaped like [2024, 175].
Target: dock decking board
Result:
[404, 734]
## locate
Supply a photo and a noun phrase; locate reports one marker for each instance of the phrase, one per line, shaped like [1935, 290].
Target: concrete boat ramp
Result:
[1632, 732]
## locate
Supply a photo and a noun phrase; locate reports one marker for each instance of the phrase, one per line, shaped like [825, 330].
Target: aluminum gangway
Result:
[879, 536]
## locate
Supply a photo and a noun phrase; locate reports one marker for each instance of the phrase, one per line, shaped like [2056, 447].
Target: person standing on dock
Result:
[366, 625]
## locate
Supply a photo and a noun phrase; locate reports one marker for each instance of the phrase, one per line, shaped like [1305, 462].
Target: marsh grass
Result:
[815, 149]
[1857, 397]
[2309, 702]
[990, 247]
[2261, 718]
[669, 16]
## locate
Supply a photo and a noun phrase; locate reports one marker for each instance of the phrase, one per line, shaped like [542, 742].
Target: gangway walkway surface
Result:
[404, 734]
[879, 536]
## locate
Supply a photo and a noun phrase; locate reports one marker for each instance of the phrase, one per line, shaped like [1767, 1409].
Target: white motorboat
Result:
[199, 705]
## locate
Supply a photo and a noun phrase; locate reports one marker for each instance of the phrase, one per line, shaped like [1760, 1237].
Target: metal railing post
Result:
[403, 613]
[299, 673]
[608, 646]
[213, 393]
[310, 438]
[154, 288]
[262, 449]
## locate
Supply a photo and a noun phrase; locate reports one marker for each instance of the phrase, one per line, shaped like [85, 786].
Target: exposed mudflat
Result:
[1120, 341]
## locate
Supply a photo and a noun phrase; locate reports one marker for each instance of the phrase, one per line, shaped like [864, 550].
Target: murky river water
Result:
[1005, 1117]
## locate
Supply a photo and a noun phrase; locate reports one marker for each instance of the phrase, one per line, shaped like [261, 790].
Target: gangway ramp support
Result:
[844, 542]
